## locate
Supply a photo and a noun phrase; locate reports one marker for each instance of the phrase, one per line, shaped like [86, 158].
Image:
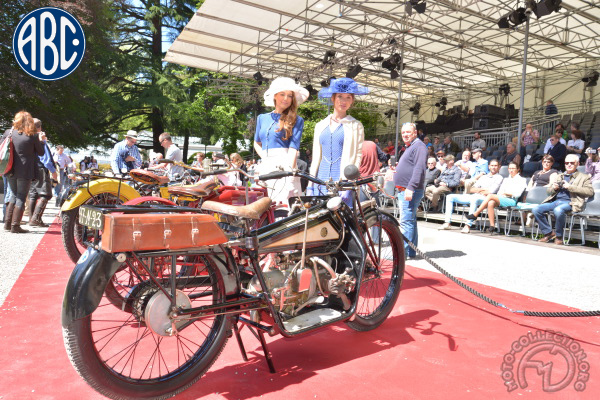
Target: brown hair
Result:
[288, 118]
[515, 164]
[578, 134]
[23, 122]
[548, 157]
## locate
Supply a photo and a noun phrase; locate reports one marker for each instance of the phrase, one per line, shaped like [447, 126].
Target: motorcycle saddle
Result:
[201, 190]
[251, 211]
[148, 177]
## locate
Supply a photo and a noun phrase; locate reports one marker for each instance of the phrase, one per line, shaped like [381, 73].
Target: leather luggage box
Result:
[137, 232]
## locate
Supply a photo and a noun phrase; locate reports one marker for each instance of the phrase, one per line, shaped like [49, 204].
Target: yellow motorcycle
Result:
[91, 188]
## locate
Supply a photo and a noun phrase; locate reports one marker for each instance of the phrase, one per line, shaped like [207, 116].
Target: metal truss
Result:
[454, 49]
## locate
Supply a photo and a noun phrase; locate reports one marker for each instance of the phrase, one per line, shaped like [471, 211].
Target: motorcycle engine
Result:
[292, 287]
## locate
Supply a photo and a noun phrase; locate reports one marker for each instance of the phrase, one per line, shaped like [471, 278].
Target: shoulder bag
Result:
[6, 154]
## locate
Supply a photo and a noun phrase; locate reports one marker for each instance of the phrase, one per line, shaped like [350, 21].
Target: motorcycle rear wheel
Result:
[117, 353]
[382, 280]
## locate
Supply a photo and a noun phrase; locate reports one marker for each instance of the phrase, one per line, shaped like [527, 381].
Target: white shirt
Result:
[175, 154]
[578, 144]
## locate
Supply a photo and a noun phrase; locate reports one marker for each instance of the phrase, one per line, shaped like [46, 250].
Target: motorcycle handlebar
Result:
[343, 184]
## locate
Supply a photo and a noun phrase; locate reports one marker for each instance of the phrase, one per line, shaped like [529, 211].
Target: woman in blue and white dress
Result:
[278, 135]
[339, 137]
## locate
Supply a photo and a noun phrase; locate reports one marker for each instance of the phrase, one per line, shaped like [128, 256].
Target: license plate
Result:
[91, 217]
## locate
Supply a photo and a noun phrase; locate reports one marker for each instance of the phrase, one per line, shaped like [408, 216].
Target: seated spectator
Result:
[420, 134]
[484, 184]
[427, 142]
[450, 146]
[529, 135]
[478, 167]
[430, 152]
[390, 148]
[558, 151]
[558, 133]
[543, 176]
[576, 144]
[431, 173]
[449, 179]
[560, 128]
[441, 163]
[592, 165]
[465, 165]
[510, 155]
[198, 162]
[93, 164]
[568, 191]
[437, 145]
[511, 189]
[84, 164]
[575, 127]
[478, 143]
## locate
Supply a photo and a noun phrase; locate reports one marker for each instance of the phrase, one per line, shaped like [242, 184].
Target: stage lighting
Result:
[504, 89]
[394, 74]
[442, 103]
[415, 109]
[353, 71]
[311, 91]
[518, 16]
[503, 22]
[328, 57]
[392, 62]
[389, 113]
[417, 5]
[259, 78]
[546, 7]
[326, 82]
[591, 79]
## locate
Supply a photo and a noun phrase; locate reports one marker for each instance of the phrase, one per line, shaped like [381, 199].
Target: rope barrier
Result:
[463, 285]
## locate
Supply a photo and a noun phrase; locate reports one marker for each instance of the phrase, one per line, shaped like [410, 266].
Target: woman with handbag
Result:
[338, 139]
[27, 147]
[278, 135]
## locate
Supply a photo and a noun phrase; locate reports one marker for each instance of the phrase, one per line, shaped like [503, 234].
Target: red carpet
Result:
[440, 342]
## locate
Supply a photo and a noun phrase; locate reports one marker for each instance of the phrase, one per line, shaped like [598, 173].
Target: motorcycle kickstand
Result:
[261, 338]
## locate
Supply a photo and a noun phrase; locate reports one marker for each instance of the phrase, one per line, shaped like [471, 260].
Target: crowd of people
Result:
[418, 167]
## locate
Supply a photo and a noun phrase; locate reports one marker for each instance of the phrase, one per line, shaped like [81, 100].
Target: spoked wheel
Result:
[72, 232]
[382, 278]
[141, 350]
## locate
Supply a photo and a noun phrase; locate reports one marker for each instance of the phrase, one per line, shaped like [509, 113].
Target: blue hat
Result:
[342, 85]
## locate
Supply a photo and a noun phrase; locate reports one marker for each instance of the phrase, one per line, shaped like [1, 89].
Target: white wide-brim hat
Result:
[281, 85]
[131, 134]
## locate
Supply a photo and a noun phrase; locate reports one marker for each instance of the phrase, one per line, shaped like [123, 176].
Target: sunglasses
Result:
[570, 162]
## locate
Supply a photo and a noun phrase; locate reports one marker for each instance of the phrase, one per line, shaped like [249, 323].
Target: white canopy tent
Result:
[453, 49]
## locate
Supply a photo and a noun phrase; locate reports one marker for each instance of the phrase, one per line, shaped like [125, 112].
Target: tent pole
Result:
[399, 98]
[522, 105]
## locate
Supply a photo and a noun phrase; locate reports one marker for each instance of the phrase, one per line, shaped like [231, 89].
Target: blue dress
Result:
[267, 124]
[332, 144]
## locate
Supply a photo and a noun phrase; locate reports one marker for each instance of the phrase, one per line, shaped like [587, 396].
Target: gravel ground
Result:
[16, 249]
[566, 275]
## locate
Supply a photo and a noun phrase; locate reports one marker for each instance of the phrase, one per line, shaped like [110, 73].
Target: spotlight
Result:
[591, 79]
[389, 113]
[546, 7]
[328, 57]
[418, 5]
[415, 109]
[518, 16]
[353, 70]
[442, 103]
[503, 22]
[326, 82]
[394, 74]
[311, 91]
[392, 62]
[259, 78]
[504, 89]
[376, 59]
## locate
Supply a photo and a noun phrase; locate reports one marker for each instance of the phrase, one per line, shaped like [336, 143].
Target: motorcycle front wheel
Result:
[382, 278]
[72, 232]
[129, 353]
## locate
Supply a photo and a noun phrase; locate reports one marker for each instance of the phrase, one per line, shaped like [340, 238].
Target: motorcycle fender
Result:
[87, 284]
[96, 187]
[391, 217]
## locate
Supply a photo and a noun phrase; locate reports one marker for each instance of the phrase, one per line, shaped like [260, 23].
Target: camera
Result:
[591, 151]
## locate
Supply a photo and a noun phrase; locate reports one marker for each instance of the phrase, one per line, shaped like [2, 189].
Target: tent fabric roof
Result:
[453, 46]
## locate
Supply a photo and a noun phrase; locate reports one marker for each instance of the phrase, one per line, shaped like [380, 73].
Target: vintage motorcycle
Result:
[192, 279]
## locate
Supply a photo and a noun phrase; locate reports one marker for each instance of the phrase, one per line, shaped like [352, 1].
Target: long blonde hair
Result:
[288, 119]
[23, 122]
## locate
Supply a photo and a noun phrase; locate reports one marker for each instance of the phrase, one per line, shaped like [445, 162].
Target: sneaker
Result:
[466, 229]
[471, 217]
[444, 227]
[548, 237]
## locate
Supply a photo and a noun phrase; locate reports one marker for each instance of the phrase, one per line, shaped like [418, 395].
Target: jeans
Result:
[408, 219]
[19, 188]
[7, 195]
[473, 200]
[559, 208]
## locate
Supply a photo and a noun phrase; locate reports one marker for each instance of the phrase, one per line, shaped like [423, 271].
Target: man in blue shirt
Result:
[409, 180]
[125, 155]
[40, 192]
